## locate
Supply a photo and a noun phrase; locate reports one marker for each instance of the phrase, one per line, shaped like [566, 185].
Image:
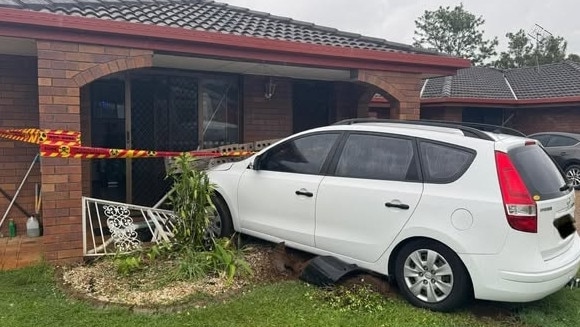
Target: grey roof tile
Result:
[474, 82]
[548, 81]
[212, 16]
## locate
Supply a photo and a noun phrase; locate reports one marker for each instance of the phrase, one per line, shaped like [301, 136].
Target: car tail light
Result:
[519, 206]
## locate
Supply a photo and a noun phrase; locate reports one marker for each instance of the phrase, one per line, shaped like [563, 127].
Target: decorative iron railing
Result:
[112, 227]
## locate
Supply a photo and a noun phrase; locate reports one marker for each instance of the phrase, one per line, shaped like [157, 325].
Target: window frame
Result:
[455, 176]
[555, 137]
[325, 164]
[341, 146]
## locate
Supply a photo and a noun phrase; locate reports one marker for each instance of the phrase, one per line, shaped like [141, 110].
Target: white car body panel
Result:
[346, 217]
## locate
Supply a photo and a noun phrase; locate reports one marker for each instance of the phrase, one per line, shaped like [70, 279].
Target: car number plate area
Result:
[565, 226]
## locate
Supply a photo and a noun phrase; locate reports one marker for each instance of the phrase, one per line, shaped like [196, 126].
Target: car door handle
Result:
[397, 205]
[563, 153]
[305, 193]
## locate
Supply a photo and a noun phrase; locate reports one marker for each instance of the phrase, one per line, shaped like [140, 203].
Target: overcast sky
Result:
[394, 19]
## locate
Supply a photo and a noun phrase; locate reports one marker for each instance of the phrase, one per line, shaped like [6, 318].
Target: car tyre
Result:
[220, 220]
[431, 276]
[572, 174]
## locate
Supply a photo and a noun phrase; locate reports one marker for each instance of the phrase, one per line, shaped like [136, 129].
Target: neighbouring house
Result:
[531, 99]
[174, 75]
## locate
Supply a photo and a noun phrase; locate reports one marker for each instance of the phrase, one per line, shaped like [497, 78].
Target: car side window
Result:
[558, 140]
[444, 163]
[544, 139]
[303, 155]
[378, 157]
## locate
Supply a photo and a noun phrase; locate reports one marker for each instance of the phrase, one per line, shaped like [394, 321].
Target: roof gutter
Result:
[49, 26]
[505, 102]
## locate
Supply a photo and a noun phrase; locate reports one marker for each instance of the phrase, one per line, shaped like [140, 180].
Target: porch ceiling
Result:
[15, 46]
[249, 68]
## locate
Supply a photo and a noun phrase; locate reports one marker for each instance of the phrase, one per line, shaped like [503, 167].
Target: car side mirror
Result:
[256, 163]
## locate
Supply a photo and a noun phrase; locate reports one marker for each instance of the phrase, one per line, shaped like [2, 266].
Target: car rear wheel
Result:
[573, 175]
[431, 276]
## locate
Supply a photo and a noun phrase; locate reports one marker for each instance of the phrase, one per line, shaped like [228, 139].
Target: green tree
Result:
[573, 57]
[524, 51]
[456, 32]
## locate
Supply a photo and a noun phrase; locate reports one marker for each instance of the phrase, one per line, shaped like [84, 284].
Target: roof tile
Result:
[546, 81]
[211, 16]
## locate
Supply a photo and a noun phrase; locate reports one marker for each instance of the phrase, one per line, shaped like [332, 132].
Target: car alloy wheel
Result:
[431, 276]
[573, 175]
[214, 228]
[428, 275]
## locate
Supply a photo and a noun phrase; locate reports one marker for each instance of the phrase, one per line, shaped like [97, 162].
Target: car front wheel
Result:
[431, 276]
[220, 220]
[573, 175]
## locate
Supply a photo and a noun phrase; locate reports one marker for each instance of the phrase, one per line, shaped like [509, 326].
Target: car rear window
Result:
[539, 172]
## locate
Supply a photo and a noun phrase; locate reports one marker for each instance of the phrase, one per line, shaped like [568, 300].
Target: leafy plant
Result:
[361, 298]
[227, 261]
[191, 199]
[127, 264]
[192, 265]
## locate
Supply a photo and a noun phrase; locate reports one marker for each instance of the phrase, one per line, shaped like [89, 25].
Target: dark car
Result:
[565, 149]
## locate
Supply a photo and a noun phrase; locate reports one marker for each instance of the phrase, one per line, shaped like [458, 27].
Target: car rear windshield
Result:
[539, 172]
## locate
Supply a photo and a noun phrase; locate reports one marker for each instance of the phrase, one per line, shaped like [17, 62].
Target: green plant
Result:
[227, 261]
[128, 264]
[191, 199]
[360, 298]
[192, 264]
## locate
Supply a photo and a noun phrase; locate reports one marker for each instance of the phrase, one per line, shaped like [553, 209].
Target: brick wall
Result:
[266, 119]
[448, 113]
[63, 68]
[401, 89]
[18, 109]
[559, 119]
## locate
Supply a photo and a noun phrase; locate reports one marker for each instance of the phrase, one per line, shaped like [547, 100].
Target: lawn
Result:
[29, 297]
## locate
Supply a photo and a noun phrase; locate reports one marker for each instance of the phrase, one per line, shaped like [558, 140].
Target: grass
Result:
[28, 297]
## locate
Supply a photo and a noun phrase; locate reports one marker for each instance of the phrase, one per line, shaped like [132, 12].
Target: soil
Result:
[100, 283]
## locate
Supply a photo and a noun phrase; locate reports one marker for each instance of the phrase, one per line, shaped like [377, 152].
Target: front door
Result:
[279, 198]
[311, 104]
[373, 193]
[108, 176]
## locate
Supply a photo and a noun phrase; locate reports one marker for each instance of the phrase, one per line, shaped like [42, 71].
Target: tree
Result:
[455, 32]
[573, 57]
[524, 51]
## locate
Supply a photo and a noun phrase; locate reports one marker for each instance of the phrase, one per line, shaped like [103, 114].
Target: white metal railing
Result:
[112, 227]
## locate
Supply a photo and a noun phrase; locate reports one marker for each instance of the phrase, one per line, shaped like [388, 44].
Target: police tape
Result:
[67, 144]
[43, 136]
[80, 152]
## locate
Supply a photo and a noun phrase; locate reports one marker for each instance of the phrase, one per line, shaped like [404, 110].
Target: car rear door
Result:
[372, 193]
[554, 200]
[277, 199]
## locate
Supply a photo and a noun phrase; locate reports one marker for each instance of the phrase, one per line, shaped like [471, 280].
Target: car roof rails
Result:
[475, 130]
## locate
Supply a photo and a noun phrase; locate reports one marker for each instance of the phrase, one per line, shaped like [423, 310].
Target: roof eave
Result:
[456, 101]
[49, 26]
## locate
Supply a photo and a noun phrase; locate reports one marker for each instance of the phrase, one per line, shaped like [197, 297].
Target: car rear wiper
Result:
[566, 187]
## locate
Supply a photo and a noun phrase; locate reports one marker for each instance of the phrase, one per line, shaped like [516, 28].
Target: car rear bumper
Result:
[535, 280]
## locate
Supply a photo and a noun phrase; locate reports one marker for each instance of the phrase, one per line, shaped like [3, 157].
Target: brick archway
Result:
[401, 89]
[63, 68]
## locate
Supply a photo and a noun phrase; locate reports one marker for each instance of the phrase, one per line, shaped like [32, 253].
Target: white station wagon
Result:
[450, 212]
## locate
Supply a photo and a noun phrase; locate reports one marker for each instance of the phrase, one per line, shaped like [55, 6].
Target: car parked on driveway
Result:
[450, 212]
[565, 149]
